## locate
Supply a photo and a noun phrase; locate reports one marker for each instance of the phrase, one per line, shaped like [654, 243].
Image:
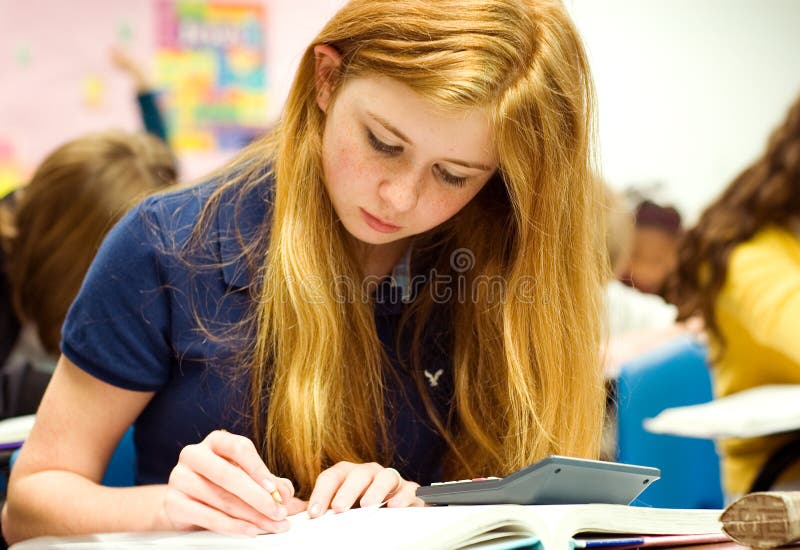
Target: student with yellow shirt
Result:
[740, 268]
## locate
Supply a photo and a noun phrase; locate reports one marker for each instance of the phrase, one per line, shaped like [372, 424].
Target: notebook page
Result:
[367, 528]
[763, 410]
[415, 527]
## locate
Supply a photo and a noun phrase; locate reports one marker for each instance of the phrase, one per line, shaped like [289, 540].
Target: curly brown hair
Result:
[766, 193]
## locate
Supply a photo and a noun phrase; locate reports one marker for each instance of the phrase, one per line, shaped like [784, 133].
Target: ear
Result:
[326, 69]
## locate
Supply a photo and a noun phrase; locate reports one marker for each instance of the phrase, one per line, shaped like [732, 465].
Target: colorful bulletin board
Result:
[210, 65]
[223, 68]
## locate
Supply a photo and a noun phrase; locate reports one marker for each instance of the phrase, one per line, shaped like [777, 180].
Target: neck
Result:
[378, 260]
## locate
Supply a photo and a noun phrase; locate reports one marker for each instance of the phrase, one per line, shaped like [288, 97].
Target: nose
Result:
[400, 190]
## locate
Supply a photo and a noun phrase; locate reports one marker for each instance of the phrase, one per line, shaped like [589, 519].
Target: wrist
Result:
[161, 521]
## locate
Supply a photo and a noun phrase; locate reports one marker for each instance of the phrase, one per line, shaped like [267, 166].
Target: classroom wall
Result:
[54, 58]
[688, 89]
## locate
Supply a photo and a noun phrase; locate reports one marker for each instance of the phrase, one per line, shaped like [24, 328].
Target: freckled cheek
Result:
[349, 169]
[439, 209]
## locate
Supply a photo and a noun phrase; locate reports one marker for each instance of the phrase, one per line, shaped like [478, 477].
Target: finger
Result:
[354, 485]
[185, 510]
[198, 488]
[285, 488]
[386, 483]
[295, 505]
[406, 496]
[327, 484]
[230, 477]
[242, 451]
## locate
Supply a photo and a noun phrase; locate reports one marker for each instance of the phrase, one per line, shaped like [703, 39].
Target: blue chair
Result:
[671, 376]
[121, 468]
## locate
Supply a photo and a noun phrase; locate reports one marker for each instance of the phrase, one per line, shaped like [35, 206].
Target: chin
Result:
[372, 238]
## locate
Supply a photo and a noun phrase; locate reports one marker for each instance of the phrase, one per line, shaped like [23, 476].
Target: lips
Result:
[378, 224]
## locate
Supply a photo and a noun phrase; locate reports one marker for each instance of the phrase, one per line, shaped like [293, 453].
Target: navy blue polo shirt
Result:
[133, 325]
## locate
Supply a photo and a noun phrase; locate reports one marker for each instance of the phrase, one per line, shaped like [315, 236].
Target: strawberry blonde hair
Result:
[528, 379]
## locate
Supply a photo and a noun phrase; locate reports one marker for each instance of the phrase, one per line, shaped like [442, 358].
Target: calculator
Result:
[552, 480]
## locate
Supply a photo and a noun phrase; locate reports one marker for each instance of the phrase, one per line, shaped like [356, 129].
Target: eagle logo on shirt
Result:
[433, 379]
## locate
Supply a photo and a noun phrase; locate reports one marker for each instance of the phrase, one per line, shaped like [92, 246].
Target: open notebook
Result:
[494, 526]
[762, 410]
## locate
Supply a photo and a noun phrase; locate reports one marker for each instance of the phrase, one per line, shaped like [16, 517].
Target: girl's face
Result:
[395, 164]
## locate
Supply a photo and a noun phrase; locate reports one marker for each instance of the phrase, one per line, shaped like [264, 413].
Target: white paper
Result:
[16, 428]
[763, 410]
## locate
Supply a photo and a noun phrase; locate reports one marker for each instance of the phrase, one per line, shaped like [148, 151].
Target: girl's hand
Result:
[341, 485]
[221, 484]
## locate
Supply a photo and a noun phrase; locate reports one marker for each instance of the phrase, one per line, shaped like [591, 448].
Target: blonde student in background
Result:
[400, 284]
[740, 269]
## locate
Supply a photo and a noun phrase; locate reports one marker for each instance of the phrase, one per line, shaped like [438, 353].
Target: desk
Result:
[720, 546]
[127, 542]
[418, 528]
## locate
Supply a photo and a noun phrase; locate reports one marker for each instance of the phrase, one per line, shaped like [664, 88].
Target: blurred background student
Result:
[50, 230]
[636, 322]
[739, 268]
[654, 248]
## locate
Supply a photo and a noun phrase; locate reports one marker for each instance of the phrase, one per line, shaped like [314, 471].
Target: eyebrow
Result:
[386, 124]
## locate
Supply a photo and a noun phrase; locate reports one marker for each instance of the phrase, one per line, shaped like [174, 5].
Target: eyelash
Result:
[387, 149]
[382, 147]
[449, 178]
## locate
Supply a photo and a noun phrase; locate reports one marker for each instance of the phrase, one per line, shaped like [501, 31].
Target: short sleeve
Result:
[763, 291]
[117, 328]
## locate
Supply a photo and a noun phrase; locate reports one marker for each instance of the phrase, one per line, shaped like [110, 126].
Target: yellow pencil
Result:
[276, 496]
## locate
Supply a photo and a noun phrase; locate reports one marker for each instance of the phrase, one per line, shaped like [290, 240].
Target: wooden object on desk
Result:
[764, 520]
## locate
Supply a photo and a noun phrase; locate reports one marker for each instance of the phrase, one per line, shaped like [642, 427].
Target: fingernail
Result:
[365, 503]
[313, 510]
[281, 527]
[280, 513]
[268, 485]
[253, 531]
[276, 526]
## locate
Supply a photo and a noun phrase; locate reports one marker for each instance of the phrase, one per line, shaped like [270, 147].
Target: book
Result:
[763, 410]
[543, 527]
[764, 520]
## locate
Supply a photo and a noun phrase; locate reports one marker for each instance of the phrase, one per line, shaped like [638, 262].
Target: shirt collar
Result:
[401, 275]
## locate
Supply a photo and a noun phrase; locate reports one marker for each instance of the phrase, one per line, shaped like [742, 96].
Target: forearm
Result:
[58, 502]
